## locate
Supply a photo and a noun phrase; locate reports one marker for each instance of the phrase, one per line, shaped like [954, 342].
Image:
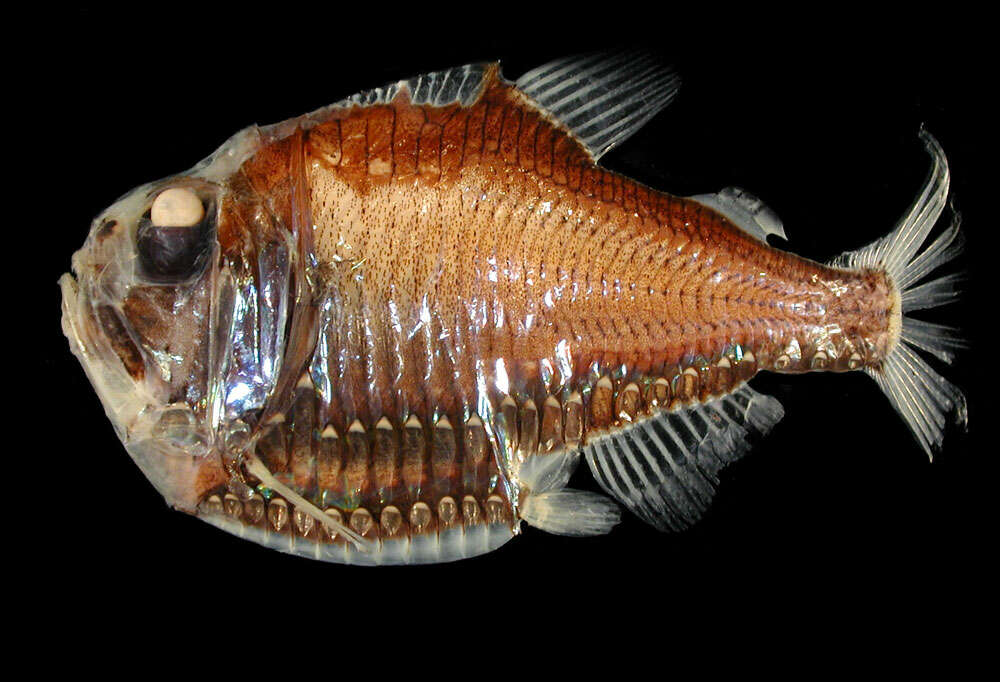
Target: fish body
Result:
[387, 331]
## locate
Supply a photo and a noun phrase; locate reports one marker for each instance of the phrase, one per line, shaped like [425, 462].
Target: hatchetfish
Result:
[387, 331]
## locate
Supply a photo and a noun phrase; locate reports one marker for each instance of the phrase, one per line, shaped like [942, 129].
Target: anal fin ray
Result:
[665, 468]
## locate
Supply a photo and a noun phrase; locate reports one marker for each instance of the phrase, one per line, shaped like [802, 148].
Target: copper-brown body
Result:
[471, 256]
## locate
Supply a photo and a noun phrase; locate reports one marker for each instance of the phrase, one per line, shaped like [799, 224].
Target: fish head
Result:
[164, 315]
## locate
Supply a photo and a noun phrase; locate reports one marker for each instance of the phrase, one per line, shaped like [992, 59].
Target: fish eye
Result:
[176, 207]
[172, 238]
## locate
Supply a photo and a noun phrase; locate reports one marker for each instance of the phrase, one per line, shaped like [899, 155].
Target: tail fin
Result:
[923, 398]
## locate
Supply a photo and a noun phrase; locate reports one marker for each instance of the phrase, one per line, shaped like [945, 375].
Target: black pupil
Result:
[170, 254]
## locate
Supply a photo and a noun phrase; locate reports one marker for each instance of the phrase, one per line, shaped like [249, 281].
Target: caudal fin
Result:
[923, 398]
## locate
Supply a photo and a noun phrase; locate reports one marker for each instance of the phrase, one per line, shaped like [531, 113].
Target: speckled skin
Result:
[499, 227]
[461, 257]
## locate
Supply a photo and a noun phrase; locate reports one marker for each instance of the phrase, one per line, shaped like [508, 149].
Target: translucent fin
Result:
[665, 468]
[937, 339]
[922, 397]
[938, 292]
[550, 471]
[571, 512]
[460, 85]
[894, 253]
[602, 98]
[944, 249]
[745, 211]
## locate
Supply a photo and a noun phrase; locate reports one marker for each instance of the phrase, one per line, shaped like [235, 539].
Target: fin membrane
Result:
[602, 98]
[921, 396]
[571, 512]
[745, 211]
[665, 468]
[461, 85]
[551, 471]
[550, 506]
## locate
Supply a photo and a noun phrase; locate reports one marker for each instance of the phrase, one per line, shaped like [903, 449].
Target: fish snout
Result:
[137, 313]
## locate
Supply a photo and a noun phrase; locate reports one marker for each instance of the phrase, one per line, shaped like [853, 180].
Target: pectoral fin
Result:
[571, 512]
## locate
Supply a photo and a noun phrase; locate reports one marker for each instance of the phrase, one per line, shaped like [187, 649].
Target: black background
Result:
[838, 509]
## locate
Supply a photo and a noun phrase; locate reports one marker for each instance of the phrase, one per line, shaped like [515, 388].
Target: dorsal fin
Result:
[745, 211]
[665, 468]
[460, 85]
[602, 98]
[599, 100]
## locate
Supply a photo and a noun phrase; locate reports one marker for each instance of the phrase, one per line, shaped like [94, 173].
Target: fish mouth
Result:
[112, 362]
[164, 440]
[112, 383]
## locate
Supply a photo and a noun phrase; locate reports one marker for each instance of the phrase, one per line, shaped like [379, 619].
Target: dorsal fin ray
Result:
[602, 99]
[599, 100]
[665, 468]
[461, 85]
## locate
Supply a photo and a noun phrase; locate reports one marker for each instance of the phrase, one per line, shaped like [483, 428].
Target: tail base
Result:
[923, 398]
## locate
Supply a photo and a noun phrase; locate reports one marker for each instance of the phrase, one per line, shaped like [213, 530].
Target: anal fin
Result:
[665, 468]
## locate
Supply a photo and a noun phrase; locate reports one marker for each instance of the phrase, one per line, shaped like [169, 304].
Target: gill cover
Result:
[181, 336]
